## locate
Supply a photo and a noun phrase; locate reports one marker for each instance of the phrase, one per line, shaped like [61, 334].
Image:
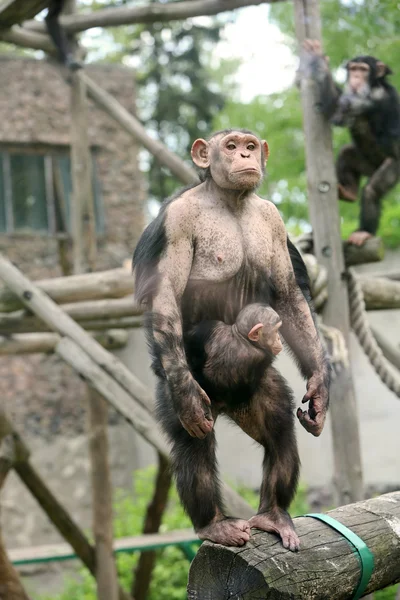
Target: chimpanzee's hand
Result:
[317, 393]
[195, 412]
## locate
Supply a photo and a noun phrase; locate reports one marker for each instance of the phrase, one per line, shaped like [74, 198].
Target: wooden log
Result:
[21, 321]
[58, 320]
[106, 573]
[132, 125]
[324, 215]
[114, 283]
[24, 38]
[380, 293]
[34, 325]
[326, 566]
[372, 250]
[155, 12]
[31, 343]
[389, 351]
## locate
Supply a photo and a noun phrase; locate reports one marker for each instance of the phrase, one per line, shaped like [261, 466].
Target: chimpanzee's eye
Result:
[231, 146]
[251, 146]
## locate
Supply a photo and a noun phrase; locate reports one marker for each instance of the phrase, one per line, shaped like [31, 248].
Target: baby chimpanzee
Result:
[228, 358]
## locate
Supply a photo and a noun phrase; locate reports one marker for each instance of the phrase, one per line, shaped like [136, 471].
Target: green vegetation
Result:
[171, 570]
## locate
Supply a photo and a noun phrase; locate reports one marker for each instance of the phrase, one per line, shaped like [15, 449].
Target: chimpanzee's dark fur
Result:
[374, 125]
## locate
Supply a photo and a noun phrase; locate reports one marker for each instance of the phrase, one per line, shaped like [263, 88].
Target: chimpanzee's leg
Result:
[381, 182]
[269, 419]
[58, 35]
[195, 468]
[350, 165]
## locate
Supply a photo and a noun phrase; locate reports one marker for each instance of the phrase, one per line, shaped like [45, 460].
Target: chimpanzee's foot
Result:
[228, 532]
[278, 521]
[346, 194]
[358, 238]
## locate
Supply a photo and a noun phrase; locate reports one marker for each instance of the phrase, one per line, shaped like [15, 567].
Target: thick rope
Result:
[360, 325]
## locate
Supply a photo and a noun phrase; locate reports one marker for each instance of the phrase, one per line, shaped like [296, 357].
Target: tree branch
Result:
[152, 13]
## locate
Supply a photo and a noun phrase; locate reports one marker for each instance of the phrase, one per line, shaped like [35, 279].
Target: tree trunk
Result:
[10, 585]
[325, 568]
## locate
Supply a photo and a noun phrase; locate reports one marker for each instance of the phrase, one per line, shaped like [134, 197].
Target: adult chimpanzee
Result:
[370, 107]
[58, 35]
[213, 249]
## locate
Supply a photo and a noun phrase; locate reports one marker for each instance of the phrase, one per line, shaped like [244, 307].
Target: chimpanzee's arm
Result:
[298, 329]
[313, 63]
[162, 263]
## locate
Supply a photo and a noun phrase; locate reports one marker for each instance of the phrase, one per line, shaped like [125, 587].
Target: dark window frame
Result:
[49, 154]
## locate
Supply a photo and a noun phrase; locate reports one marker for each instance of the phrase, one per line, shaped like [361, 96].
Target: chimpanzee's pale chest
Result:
[224, 242]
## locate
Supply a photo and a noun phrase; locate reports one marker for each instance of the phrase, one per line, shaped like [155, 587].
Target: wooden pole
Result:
[84, 253]
[82, 209]
[326, 567]
[324, 214]
[132, 125]
[106, 574]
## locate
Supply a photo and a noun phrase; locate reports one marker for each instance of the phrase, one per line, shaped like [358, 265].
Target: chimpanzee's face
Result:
[364, 75]
[236, 160]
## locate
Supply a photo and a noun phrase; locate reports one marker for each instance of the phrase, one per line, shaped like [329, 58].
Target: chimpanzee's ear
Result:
[254, 333]
[200, 153]
[266, 150]
[382, 69]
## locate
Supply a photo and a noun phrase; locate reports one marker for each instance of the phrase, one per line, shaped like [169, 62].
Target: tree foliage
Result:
[350, 28]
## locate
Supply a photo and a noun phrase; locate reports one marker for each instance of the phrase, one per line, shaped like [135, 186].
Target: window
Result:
[36, 192]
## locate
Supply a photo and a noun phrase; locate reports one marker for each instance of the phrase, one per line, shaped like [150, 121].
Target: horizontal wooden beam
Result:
[327, 565]
[380, 293]
[24, 38]
[114, 283]
[31, 343]
[150, 13]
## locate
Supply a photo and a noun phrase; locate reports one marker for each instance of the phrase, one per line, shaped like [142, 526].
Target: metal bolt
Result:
[324, 187]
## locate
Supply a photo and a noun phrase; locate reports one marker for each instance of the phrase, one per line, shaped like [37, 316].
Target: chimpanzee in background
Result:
[213, 249]
[370, 107]
[58, 35]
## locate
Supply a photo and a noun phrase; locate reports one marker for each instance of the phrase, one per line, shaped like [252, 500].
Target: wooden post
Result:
[84, 252]
[106, 575]
[324, 214]
[82, 208]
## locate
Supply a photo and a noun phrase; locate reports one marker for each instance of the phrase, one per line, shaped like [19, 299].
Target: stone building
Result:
[40, 392]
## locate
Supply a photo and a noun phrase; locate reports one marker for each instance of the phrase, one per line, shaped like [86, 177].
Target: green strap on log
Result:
[364, 553]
